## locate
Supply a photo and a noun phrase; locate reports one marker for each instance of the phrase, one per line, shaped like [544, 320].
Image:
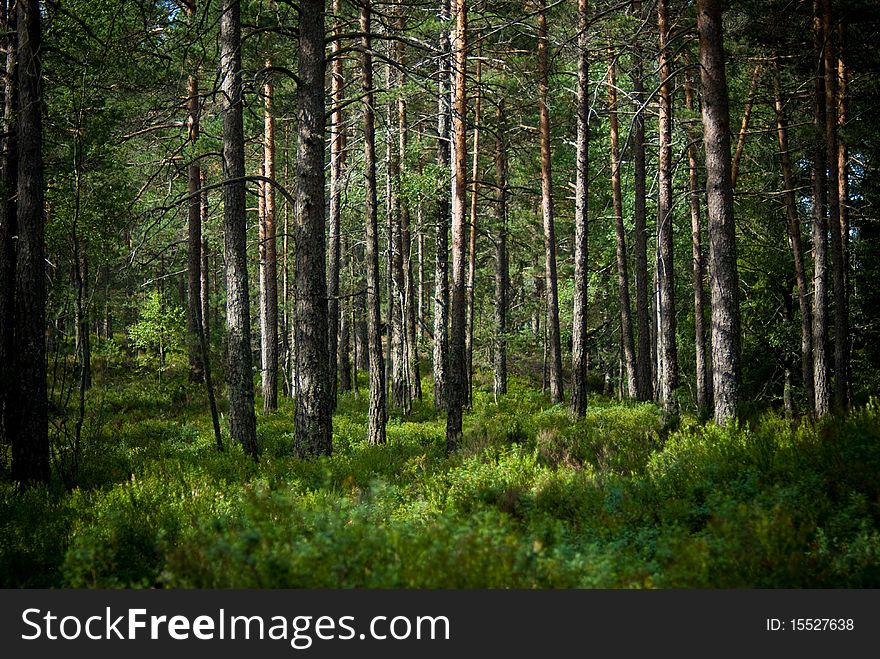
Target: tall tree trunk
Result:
[795, 243]
[240, 383]
[83, 343]
[838, 261]
[441, 266]
[821, 389]
[667, 349]
[703, 376]
[8, 190]
[722, 230]
[457, 366]
[29, 431]
[194, 222]
[205, 269]
[286, 323]
[269, 259]
[555, 344]
[344, 345]
[644, 379]
[843, 193]
[626, 327]
[377, 412]
[744, 125]
[579, 348]
[502, 279]
[472, 229]
[314, 427]
[337, 164]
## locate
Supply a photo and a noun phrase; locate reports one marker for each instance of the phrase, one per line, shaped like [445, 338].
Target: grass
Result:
[533, 499]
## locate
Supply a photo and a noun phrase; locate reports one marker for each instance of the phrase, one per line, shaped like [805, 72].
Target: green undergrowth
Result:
[532, 498]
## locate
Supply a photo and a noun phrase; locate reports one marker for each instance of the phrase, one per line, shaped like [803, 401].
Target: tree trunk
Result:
[344, 346]
[457, 365]
[626, 327]
[795, 243]
[29, 431]
[502, 281]
[820, 232]
[744, 125]
[472, 229]
[722, 230]
[838, 249]
[269, 259]
[313, 389]
[703, 375]
[337, 164]
[555, 344]
[240, 383]
[668, 351]
[194, 222]
[441, 265]
[377, 413]
[843, 193]
[581, 225]
[643, 306]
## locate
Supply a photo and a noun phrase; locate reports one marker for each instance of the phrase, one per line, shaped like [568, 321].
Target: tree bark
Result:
[194, 221]
[269, 259]
[579, 348]
[472, 228]
[626, 327]
[821, 389]
[377, 412]
[240, 383]
[8, 221]
[457, 365]
[440, 356]
[553, 337]
[644, 379]
[795, 243]
[337, 165]
[667, 348]
[29, 431]
[205, 269]
[313, 389]
[703, 374]
[722, 230]
[502, 280]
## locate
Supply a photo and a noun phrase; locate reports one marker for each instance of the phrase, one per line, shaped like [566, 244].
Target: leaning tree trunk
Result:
[579, 349]
[796, 243]
[240, 383]
[29, 431]
[555, 343]
[626, 327]
[194, 224]
[643, 307]
[313, 389]
[722, 230]
[457, 365]
[377, 412]
[502, 281]
[441, 266]
[667, 349]
[744, 124]
[269, 259]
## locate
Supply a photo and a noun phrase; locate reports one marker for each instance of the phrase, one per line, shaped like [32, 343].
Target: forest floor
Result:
[533, 499]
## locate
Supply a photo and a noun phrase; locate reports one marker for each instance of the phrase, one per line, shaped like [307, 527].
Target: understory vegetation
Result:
[533, 498]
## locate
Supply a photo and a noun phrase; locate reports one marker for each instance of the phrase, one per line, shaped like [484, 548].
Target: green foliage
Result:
[159, 331]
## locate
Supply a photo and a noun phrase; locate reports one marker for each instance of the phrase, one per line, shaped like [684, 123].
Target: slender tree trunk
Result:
[821, 388]
[240, 383]
[441, 266]
[668, 351]
[472, 229]
[722, 230]
[269, 259]
[644, 379]
[579, 348]
[286, 324]
[502, 279]
[457, 365]
[843, 196]
[344, 346]
[29, 431]
[838, 261]
[626, 327]
[337, 164]
[83, 344]
[194, 222]
[744, 125]
[703, 374]
[555, 344]
[795, 242]
[313, 389]
[377, 413]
